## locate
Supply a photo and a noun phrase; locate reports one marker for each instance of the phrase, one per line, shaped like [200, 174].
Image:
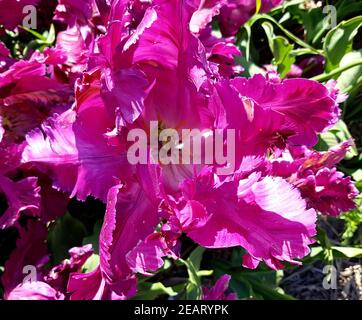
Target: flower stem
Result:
[326, 76]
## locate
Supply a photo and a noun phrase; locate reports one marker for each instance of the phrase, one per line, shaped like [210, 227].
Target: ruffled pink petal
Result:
[315, 175]
[86, 286]
[218, 291]
[147, 256]
[77, 154]
[20, 70]
[329, 191]
[28, 97]
[35, 290]
[296, 100]
[193, 216]
[221, 51]
[75, 47]
[257, 129]
[72, 11]
[59, 275]
[91, 286]
[173, 58]
[128, 208]
[123, 93]
[268, 218]
[31, 250]
[204, 14]
[21, 196]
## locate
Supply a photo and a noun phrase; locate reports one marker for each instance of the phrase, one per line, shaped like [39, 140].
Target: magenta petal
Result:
[127, 209]
[2, 130]
[31, 250]
[217, 292]
[56, 149]
[74, 47]
[59, 275]
[250, 262]
[53, 202]
[257, 129]
[296, 100]
[162, 42]
[72, 163]
[193, 216]
[123, 93]
[11, 12]
[22, 69]
[35, 290]
[21, 196]
[315, 175]
[77, 154]
[269, 220]
[149, 18]
[329, 191]
[28, 96]
[203, 16]
[147, 256]
[86, 286]
[72, 11]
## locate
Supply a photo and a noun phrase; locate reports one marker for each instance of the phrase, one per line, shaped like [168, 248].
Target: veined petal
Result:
[307, 105]
[272, 225]
[128, 208]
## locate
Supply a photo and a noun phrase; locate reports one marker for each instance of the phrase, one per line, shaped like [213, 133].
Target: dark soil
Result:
[306, 282]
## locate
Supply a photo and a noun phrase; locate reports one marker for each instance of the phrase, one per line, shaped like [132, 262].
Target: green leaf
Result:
[51, 35]
[42, 40]
[34, 33]
[353, 109]
[205, 273]
[282, 53]
[347, 252]
[323, 239]
[357, 175]
[196, 257]
[281, 49]
[194, 287]
[247, 29]
[287, 33]
[260, 285]
[91, 263]
[269, 31]
[151, 291]
[315, 26]
[353, 220]
[359, 185]
[254, 284]
[315, 252]
[243, 289]
[320, 253]
[339, 41]
[67, 232]
[348, 8]
[351, 78]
